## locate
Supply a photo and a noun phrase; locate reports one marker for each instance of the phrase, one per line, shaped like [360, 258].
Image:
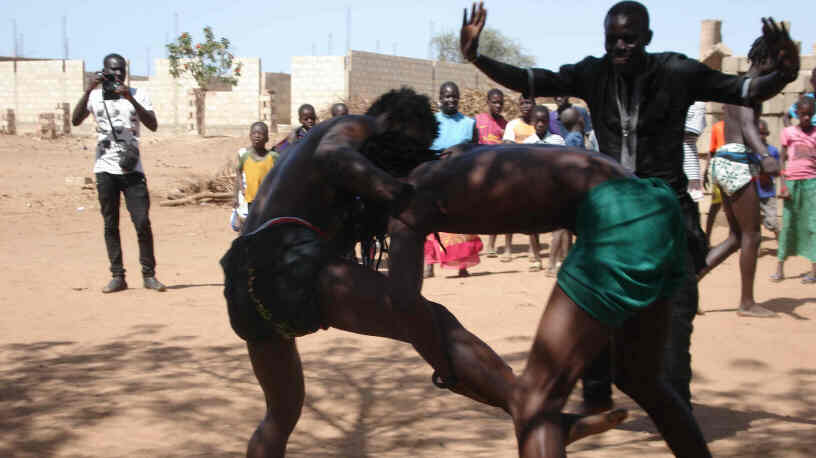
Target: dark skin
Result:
[742, 207]
[786, 120]
[258, 136]
[509, 188]
[625, 42]
[313, 180]
[117, 67]
[339, 109]
[804, 112]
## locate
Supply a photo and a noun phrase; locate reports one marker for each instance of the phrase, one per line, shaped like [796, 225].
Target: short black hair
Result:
[449, 84]
[495, 91]
[305, 107]
[337, 106]
[261, 124]
[113, 56]
[630, 8]
[410, 129]
[541, 109]
[805, 100]
[759, 51]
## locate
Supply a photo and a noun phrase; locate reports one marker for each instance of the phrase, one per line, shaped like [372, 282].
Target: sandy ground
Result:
[145, 374]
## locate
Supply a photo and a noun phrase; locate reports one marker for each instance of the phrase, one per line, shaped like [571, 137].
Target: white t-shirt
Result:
[125, 122]
[551, 139]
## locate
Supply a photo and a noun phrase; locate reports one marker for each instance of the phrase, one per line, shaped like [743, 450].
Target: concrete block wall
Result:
[278, 86]
[232, 112]
[35, 86]
[319, 81]
[372, 74]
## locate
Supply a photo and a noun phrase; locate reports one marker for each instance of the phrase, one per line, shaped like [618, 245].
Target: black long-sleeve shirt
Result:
[670, 83]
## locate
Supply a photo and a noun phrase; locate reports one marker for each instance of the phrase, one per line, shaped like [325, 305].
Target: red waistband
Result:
[288, 220]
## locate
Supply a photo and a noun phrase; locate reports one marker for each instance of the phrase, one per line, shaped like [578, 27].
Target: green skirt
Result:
[630, 251]
[798, 236]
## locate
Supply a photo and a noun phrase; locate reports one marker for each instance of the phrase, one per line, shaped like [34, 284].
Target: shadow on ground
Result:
[59, 396]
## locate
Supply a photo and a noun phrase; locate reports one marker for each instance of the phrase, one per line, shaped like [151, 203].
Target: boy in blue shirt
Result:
[766, 187]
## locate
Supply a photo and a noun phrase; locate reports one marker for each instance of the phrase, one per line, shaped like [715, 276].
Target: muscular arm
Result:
[81, 109]
[405, 264]
[346, 168]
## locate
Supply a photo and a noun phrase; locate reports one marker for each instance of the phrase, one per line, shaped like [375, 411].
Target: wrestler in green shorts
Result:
[630, 249]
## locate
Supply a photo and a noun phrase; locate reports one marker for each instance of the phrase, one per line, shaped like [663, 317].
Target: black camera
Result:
[109, 85]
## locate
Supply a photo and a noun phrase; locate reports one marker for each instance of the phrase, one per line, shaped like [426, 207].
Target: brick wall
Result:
[317, 80]
[32, 87]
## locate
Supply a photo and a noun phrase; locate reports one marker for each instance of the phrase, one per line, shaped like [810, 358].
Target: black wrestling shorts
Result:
[270, 280]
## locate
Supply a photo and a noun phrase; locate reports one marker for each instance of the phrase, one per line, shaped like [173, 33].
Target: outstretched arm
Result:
[786, 58]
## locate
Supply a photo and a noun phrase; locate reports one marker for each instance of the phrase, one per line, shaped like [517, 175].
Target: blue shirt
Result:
[453, 130]
[557, 128]
[770, 191]
[792, 110]
[575, 139]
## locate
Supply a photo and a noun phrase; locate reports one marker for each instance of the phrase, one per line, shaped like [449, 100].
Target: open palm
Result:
[471, 29]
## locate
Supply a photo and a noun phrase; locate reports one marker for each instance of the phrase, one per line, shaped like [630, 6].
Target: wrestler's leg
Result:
[535, 253]
[745, 206]
[638, 353]
[567, 340]
[357, 300]
[277, 367]
[722, 251]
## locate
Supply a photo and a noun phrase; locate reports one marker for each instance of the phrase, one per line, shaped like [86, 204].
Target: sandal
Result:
[809, 279]
[491, 254]
[776, 278]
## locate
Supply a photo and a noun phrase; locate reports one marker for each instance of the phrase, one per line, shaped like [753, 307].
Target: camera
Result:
[109, 85]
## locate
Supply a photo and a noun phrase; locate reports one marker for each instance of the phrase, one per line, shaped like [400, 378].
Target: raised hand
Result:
[781, 47]
[471, 29]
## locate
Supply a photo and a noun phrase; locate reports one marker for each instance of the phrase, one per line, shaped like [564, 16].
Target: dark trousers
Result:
[137, 200]
[597, 378]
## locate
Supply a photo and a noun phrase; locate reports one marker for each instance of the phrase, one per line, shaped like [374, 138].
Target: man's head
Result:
[525, 107]
[571, 119]
[115, 64]
[762, 127]
[495, 102]
[762, 62]
[562, 101]
[307, 116]
[407, 129]
[259, 135]
[339, 109]
[541, 120]
[804, 111]
[627, 33]
[449, 98]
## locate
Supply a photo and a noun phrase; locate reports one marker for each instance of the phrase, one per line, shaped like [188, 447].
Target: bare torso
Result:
[494, 189]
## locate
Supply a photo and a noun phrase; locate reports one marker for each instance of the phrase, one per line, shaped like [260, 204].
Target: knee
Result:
[538, 394]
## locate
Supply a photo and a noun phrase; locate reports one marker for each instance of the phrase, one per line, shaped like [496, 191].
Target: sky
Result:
[555, 32]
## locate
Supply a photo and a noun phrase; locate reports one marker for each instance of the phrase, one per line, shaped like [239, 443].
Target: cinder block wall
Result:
[232, 112]
[372, 74]
[279, 86]
[319, 81]
[32, 87]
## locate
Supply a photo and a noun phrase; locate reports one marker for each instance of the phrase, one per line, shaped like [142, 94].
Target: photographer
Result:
[118, 111]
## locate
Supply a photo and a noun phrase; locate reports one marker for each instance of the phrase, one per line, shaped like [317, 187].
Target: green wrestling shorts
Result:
[630, 249]
[270, 280]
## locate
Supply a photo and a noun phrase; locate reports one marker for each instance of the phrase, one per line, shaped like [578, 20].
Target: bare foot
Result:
[579, 427]
[428, 272]
[755, 311]
[464, 273]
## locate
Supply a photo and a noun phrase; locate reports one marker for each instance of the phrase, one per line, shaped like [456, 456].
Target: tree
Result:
[492, 43]
[209, 63]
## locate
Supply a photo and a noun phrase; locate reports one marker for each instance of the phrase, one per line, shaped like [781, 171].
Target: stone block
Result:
[48, 128]
[9, 124]
[730, 65]
[774, 106]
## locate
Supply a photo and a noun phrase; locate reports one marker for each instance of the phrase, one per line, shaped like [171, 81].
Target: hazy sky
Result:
[555, 31]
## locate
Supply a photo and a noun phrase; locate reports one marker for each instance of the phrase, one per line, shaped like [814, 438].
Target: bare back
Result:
[494, 189]
[741, 127]
[318, 178]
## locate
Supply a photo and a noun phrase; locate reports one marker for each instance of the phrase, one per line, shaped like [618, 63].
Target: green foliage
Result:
[209, 62]
[492, 43]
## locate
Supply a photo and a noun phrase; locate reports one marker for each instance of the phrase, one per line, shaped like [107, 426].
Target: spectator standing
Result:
[253, 165]
[490, 128]
[460, 250]
[798, 188]
[119, 112]
[695, 124]
[791, 113]
[766, 187]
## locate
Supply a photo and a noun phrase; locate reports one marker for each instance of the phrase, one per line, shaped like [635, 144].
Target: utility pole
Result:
[14, 37]
[175, 25]
[65, 37]
[330, 48]
[430, 42]
[348, 28]
[395, 48]
[314, 48]
[148, 61]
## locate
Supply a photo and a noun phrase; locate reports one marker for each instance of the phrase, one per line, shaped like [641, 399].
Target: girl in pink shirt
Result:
[798, 188]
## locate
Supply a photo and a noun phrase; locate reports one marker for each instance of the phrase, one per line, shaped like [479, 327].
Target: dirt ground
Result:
[147, 374]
